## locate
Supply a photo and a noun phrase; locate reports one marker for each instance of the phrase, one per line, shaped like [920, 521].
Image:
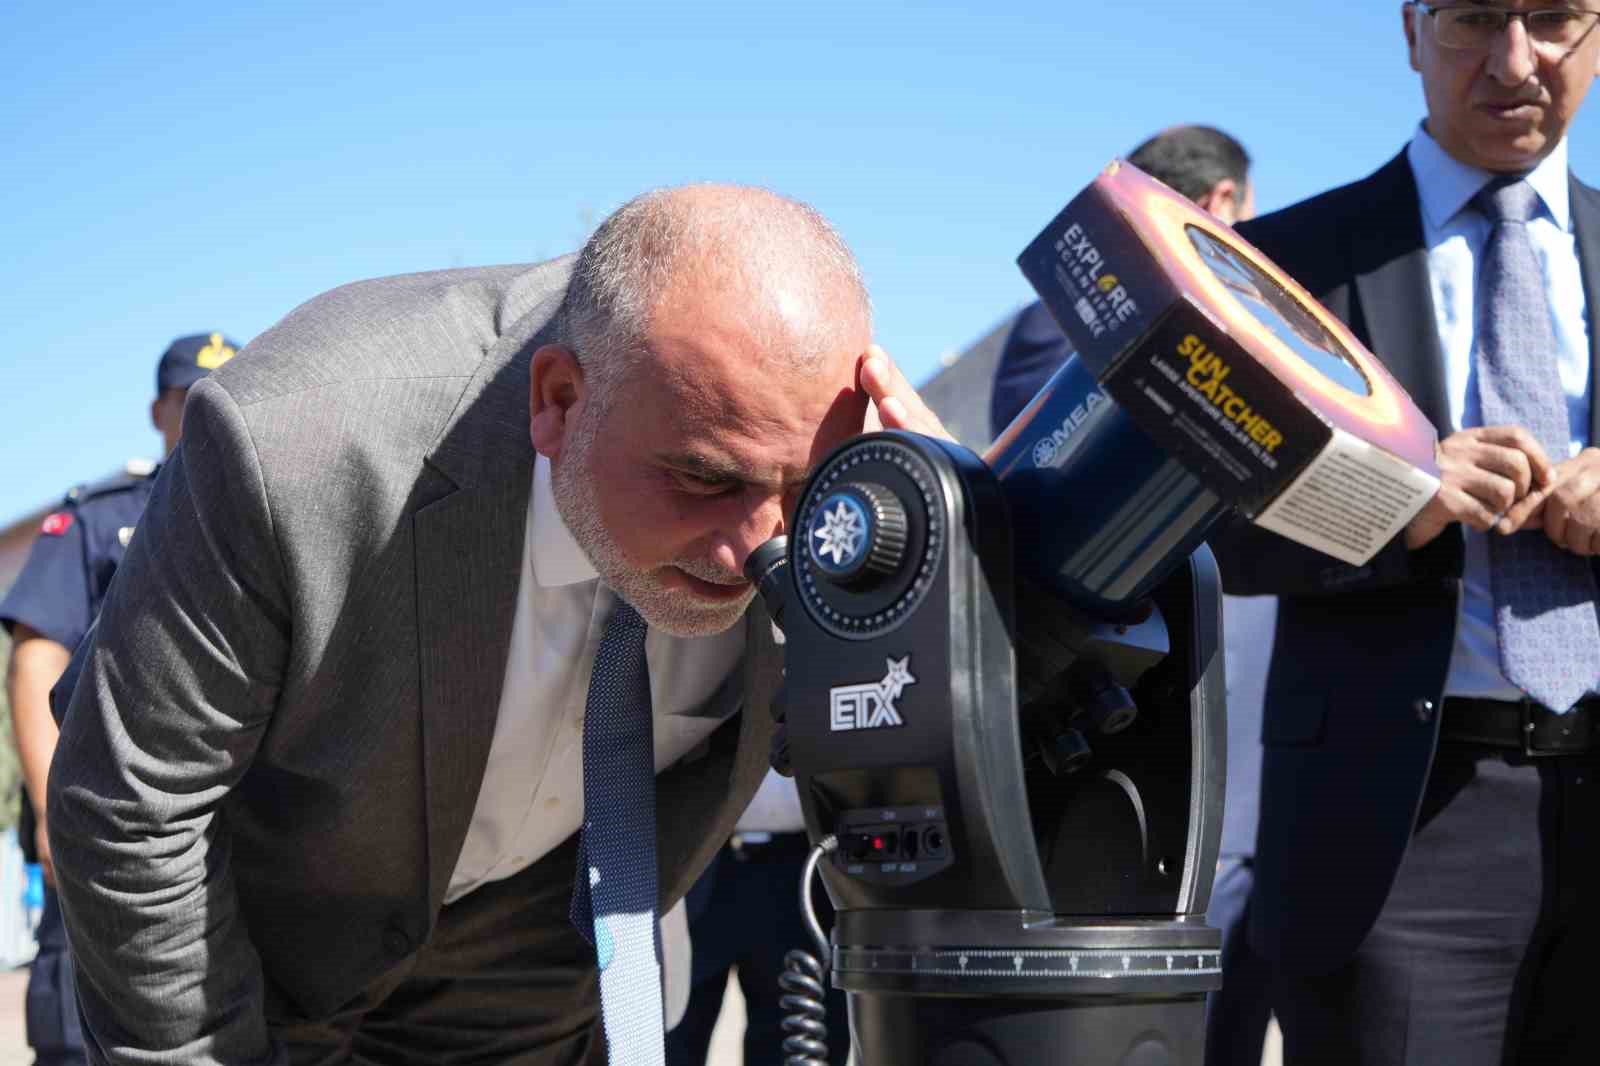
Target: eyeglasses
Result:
[1475, 26]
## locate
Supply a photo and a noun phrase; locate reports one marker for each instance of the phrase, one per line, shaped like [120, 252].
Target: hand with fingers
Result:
[1490, 477]
[1568, 509]
[895, 403]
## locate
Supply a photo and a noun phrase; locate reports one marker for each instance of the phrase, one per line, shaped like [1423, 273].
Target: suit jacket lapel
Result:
[1586, 226]
[469, 563]
[1390, 264]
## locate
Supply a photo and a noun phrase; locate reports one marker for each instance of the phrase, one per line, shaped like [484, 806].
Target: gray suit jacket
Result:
[268, 766]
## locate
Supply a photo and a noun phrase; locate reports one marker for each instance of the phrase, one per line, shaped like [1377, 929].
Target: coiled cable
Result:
[804, 981]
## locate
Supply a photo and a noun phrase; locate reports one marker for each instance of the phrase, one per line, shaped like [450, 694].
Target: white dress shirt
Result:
[775, 808]
[1455, 232]
[532, 794]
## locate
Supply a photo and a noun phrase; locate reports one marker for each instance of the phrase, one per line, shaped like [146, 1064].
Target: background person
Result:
[47, 611]
[1202, 163]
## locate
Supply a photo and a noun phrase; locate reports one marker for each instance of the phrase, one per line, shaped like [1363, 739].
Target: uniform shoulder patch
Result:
[57, 524]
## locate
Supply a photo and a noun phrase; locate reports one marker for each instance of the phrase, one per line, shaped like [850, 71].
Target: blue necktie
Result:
[1544, 597]
[614, 899]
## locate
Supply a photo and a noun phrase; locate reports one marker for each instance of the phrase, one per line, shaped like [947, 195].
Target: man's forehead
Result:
[748, 370]
[766, 435]
[760, 425]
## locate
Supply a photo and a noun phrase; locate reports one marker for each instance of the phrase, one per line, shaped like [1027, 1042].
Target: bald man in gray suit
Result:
[318, 784]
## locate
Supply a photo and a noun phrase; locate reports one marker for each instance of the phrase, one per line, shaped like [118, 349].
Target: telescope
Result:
[1003, 700]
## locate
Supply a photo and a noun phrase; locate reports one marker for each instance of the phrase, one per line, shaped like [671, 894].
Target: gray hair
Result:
[725, 233]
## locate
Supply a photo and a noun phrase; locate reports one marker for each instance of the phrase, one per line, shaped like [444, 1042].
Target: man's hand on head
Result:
[1485, 473]
[1568, 509]
[895, 403]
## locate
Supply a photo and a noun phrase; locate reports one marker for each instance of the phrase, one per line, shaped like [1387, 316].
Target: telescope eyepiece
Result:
[765, 569]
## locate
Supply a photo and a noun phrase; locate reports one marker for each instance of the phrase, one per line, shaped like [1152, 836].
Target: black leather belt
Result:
[1530, 727]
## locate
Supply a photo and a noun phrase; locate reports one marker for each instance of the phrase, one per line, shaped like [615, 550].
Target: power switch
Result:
[894, 845]
[873, 844]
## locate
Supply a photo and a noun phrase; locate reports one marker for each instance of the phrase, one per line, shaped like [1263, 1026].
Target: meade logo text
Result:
[1053, 450]
[872, 705]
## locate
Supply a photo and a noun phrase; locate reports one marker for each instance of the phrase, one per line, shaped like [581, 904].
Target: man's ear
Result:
[1408, 18]
[555, 388]
[1223, 200]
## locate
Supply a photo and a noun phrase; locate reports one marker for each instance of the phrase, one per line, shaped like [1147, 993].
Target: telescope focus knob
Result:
[858, 534]
[869, 534]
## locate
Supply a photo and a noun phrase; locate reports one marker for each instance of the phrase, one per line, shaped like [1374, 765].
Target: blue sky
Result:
[183, 167]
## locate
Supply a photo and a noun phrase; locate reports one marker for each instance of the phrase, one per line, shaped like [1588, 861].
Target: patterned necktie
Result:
[1544, 597]
[614, 898]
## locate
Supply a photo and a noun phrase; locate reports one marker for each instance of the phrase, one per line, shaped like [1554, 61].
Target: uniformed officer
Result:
[47, 612]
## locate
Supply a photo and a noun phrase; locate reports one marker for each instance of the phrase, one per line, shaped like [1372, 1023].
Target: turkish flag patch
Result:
[57, 524]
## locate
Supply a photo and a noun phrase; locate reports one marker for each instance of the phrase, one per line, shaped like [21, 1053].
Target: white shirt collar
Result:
[552, 550]
[1445, 184]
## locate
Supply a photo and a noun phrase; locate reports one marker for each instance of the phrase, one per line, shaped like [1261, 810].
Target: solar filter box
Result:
[1231, 368]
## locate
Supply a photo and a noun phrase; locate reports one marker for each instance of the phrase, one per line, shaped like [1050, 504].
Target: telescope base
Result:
[898, 1030]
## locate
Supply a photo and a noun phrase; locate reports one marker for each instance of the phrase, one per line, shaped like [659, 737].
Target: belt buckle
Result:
[1566, 723]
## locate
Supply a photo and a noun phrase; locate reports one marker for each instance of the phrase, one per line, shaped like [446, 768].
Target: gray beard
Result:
[671, 610]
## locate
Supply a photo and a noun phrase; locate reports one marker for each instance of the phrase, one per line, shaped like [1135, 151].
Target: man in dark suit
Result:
[358, 764]
[1427, 856]
[1429, 849]
[1212, 169]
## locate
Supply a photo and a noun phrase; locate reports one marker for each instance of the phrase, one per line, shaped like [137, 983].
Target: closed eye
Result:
[703, 485]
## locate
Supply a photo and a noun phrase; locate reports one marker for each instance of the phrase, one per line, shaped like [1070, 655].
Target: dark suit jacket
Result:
[1034, 350]
[1362, 653]
[269, 764]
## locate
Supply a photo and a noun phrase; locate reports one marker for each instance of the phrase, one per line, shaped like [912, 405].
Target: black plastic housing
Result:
[1068, 900]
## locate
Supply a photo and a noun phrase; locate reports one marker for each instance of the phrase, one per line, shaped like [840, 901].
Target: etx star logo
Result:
[871, 706]
[896, 680]
[838, 533]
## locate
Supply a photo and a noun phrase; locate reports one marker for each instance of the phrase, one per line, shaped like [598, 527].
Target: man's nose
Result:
[760, 523]
[1511, 56]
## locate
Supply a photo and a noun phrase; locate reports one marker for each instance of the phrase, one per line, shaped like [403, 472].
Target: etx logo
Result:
[872, 705]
